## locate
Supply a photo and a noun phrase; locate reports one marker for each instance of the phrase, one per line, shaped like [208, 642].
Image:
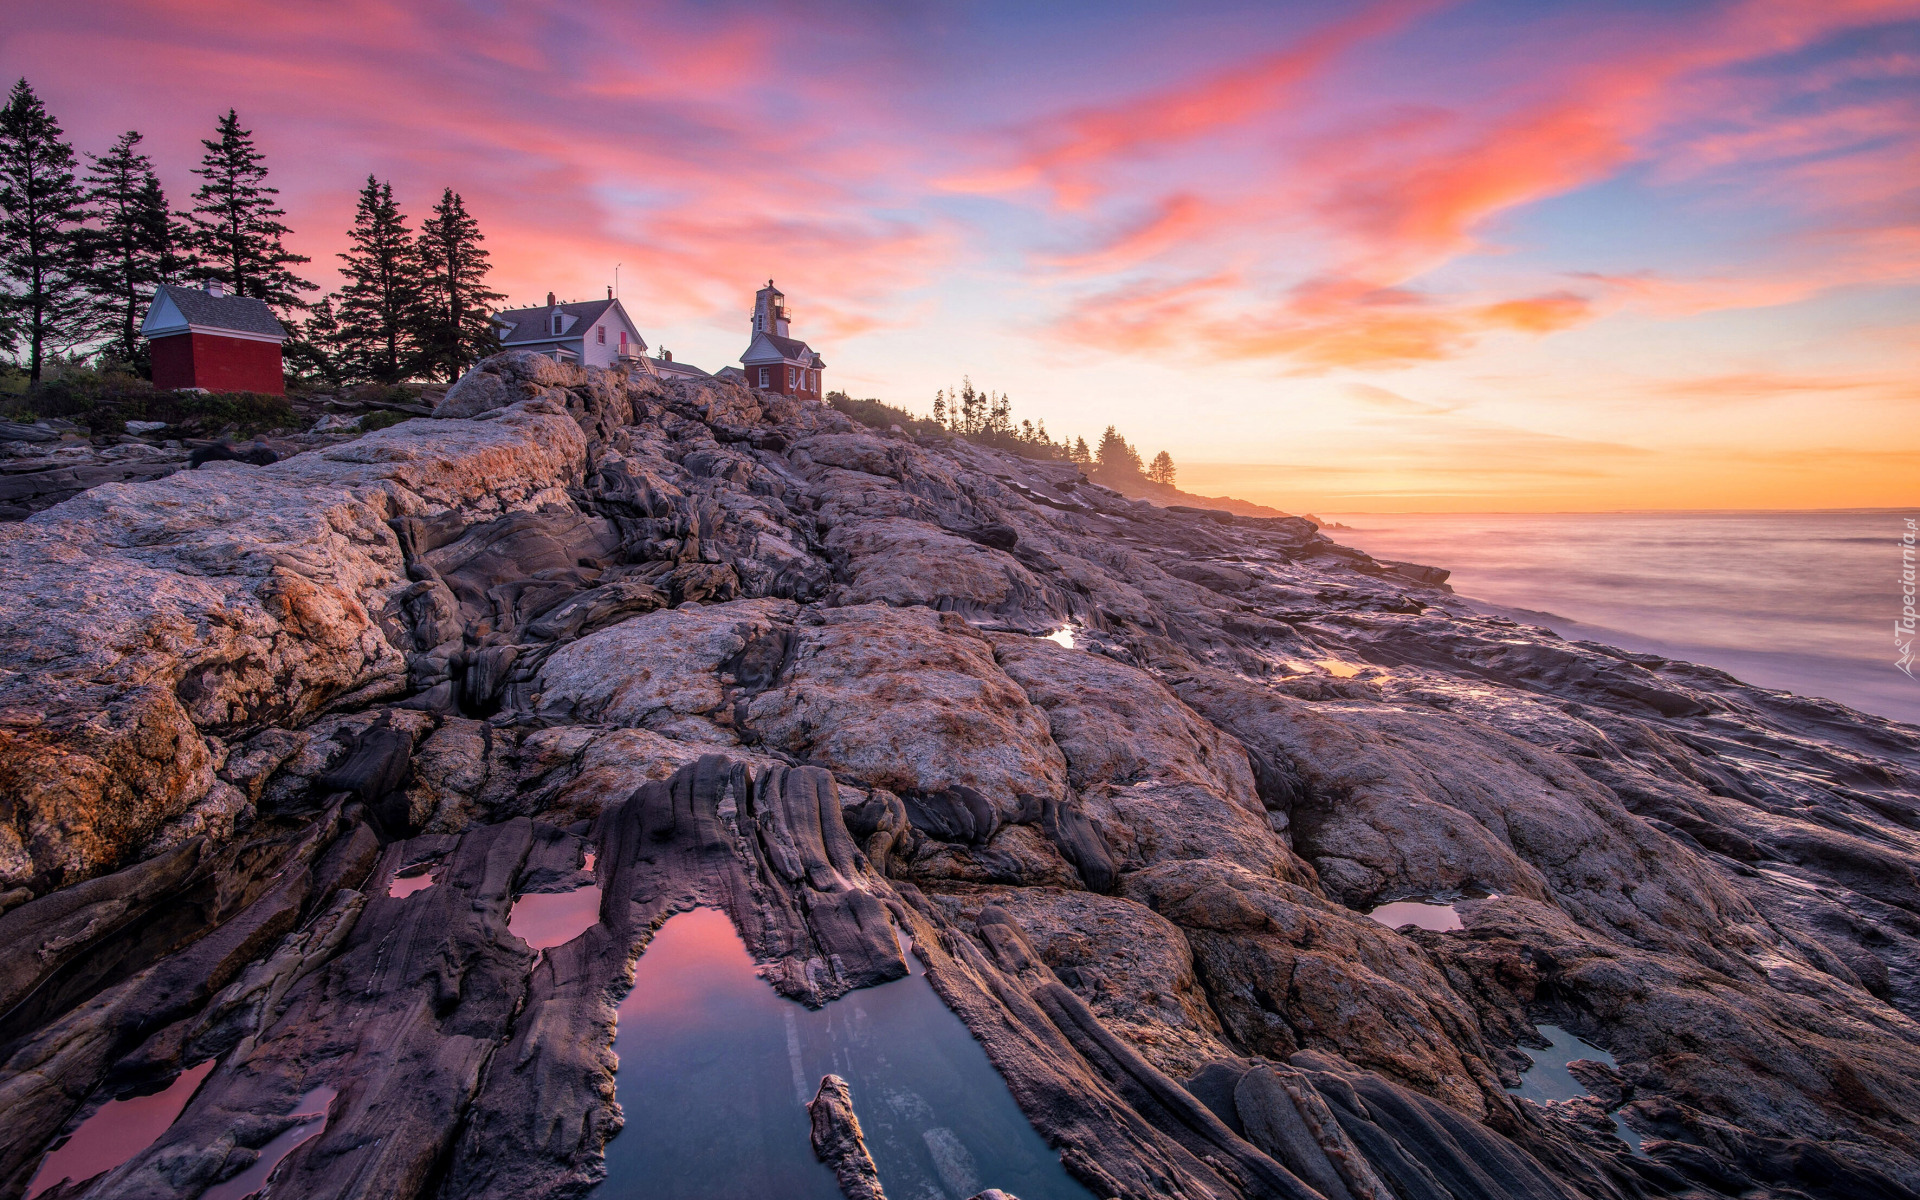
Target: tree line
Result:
[84, 246]
[987, 417]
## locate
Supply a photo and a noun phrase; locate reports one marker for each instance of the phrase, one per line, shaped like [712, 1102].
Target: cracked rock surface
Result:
[703, 646]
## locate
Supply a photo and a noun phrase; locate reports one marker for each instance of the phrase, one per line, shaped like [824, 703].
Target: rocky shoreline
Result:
[1129, 778]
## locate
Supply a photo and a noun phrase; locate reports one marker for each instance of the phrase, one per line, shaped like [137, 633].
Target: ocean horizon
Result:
[1797, 600]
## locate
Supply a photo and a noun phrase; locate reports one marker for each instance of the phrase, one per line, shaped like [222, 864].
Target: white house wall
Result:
[593, 353]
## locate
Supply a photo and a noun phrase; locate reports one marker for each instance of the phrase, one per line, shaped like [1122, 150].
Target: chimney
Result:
[549, 299]
[216, 288]
[666, 355]
[609, 291]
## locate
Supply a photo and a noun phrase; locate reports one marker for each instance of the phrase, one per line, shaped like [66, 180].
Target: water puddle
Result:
[1424, 913]
[312, 1115]
[1548, 1078]
[1338, 669]
[117, 1132]
[416, 878]
[716, 1070]
[546, 919]
[1062, 635]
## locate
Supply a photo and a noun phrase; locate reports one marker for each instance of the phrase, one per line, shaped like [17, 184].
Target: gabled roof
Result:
[781, 349]
[666, 366]
[177, 309]
[524, 326]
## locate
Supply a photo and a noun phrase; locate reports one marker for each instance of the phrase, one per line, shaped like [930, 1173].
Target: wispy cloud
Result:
[1433, 191]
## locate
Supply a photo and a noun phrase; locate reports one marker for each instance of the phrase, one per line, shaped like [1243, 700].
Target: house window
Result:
[556, 324]
[766, 377]
[600, 334]
[623, 341]
[789, 376]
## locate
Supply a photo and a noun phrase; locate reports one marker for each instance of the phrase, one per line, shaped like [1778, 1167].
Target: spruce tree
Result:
[135, 243]
[382, 303]
[236, 227]
[1080, 453]
[456, 319]
[42, 254]
[971, 413]
[312, 352]
[1115, 454]
[1162, 469]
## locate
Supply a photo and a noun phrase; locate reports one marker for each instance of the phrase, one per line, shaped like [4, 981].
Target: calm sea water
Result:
[1800, 601]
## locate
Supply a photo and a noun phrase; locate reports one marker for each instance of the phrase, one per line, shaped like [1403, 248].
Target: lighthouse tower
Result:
[770, 311]
[775, 361]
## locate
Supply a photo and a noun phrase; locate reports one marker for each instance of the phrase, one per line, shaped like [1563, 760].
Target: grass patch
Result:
[104, 401]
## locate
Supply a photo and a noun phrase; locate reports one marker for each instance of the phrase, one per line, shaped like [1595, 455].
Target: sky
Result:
[1407, 255]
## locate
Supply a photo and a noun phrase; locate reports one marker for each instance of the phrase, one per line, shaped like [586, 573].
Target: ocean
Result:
[1800, 601]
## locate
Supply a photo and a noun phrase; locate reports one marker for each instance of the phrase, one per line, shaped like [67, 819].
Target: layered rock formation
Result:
[746, 654]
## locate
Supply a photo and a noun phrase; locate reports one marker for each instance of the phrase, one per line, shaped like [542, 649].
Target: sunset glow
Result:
[1381, 256]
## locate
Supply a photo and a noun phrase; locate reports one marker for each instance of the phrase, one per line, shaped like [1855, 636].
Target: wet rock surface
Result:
[748, 655]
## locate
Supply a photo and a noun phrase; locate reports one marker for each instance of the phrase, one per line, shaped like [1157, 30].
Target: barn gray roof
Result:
[242, 314]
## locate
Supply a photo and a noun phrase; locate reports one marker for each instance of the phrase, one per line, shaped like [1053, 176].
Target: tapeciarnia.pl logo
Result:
[1903, 624]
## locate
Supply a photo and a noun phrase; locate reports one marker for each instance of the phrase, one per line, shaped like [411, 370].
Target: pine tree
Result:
[236, 228]
[312, 352]
[42, 254]
[1080, 453]
[457, 326]
[999, 415]
[971, 405]
[381, 306]
[940, 408]
[1162, 469]
[1115, 454]
[135, 243]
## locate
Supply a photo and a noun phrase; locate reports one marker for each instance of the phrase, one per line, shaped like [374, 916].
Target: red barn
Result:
[208, 339]
[775, 362]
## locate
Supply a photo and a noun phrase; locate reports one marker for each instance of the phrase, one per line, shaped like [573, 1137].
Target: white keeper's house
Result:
[593, 333]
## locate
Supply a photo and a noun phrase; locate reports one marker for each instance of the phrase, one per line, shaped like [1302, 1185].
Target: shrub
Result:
[105, 402]
[380, 419]
[877, 414]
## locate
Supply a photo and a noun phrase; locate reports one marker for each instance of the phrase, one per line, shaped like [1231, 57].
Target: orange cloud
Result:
[1323, 324]
[1404, 192]
[1066, 153]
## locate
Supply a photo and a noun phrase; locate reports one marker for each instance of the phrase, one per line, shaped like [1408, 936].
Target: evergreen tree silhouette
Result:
[236, 228]
[1115, 454]
[313, 350]
[1161, 471]
[136, 244]
[381, 306]
[457, 328]
[42, 249]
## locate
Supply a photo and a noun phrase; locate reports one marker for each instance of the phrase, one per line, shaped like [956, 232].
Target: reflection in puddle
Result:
[1548, 1078]
[716, 1070]
[1424, 913]
[1063, 635]
[117, 1132]
[312, 1115]
[416, 878]
[546, 919]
